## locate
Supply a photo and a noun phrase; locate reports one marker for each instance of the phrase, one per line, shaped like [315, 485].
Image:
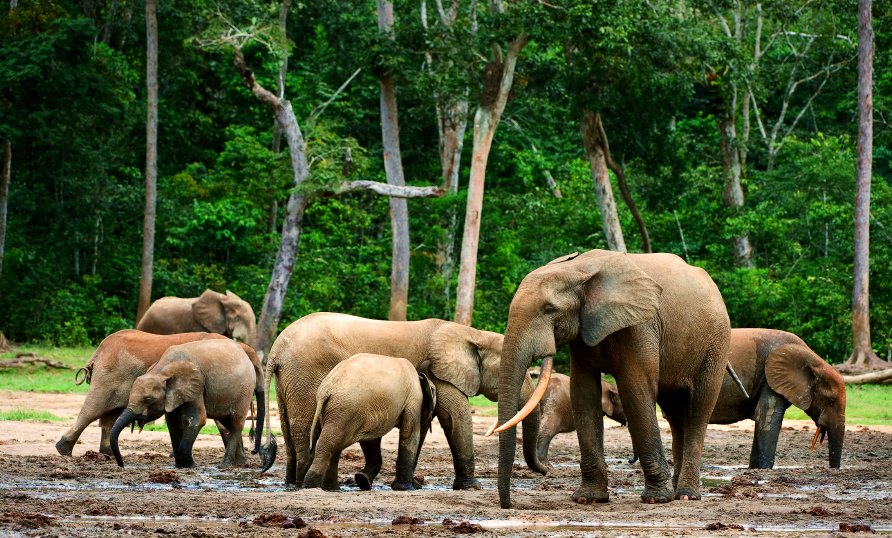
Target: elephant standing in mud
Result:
[212, 312]
[362, 399]
[120, 358]
[463, 362]
[557, 411]
[191, 383]
[778, 369]
[657, 324]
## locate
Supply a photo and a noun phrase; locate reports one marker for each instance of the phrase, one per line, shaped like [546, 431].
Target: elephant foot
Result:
[687, 494]
[466, 483]
[653, 495]
[590, 494]
[64, 447]
[106, 450]
[362, 481]
[402, 486]
[329, 487]
[185, 463]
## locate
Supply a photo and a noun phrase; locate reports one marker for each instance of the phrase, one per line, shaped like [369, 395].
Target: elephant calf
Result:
[557, 411]
[191, 383]
[361, 399]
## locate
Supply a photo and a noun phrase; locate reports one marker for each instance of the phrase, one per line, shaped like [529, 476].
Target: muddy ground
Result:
[44, 494]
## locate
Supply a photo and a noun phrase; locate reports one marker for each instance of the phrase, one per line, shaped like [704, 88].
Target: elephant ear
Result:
[185, 383]
[428, 400]
[616, 294]
[208, 312]
[788, 370]
[455, 357]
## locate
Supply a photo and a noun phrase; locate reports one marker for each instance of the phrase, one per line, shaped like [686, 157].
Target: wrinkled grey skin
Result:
[191, 383]
[778, 369]
[463, 362]
[361, 400]
[557, 411]
[657, 324]
[212, 312]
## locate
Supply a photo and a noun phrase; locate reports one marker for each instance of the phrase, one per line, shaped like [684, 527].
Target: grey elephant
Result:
[191, 383]
[463, 362]
[657, 324]
[557, 411]
[779, 369]
[211, 312]
[362, 399]
[118, 360]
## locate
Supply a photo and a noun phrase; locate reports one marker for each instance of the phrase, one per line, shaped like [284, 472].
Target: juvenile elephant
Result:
[463, 362]
[120, 358]
[362, 399]
[778, 369]
[657, 324]
[557, 411]
[211, 312]
[190, 383]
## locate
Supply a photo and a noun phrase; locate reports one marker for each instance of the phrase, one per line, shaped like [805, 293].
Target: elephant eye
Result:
[549, 308]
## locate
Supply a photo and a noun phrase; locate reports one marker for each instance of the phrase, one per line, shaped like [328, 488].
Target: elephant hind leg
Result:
[676, 424]
[371, 450]
[97, 403]
[235, 447]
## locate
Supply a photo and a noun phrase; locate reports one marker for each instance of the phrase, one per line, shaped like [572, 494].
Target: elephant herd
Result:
[656, 324]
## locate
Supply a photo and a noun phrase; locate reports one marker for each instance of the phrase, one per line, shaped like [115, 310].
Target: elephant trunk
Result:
[261, 415]
[531, 431]
[836, 435]
[126, 418]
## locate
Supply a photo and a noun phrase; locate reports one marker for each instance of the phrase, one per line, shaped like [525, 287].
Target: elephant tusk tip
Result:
[492, 429]
[814, 440]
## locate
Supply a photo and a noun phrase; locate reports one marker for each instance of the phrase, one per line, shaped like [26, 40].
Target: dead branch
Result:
[883, 376]
[26, 359]
[389, 190]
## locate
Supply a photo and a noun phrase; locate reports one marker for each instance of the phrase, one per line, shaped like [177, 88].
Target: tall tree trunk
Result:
[393, 167]
[5, 174]
[601, 181]
[294, 209]
[863, 355]
[453, 120]
[280, 92]
[732, 193]
[148, 228]
[496, 87]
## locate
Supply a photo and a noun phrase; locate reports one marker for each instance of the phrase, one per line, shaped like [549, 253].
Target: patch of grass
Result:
[30, 415]
[42, 378]
[865, 404]
[484, 406]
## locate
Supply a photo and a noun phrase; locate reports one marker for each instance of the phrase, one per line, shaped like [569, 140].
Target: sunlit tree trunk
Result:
[601, 181]
[393, 167]
[453, 120]
[148, 228]
[5, 174]
[732, 193]
[496, 87]
[863, 355]
[280, 92]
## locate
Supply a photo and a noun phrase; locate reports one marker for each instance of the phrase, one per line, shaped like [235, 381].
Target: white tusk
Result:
[534, 400]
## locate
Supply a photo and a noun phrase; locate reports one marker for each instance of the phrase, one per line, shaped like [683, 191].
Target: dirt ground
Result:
[44, 494]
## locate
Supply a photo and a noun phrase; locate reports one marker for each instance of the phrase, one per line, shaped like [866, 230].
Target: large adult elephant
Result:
[118, 360]
[462, 362]
[212, 312]
[657, 324]
[778, 369]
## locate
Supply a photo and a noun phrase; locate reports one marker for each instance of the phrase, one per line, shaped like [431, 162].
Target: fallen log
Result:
[26, 359]
[882, 376]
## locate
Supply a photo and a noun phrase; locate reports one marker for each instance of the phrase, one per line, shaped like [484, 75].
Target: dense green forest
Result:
[664, 79]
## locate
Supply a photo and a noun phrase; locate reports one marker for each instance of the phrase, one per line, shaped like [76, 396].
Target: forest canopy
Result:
[663, 78]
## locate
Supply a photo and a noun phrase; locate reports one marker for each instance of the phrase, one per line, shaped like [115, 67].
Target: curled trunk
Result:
[126, 418]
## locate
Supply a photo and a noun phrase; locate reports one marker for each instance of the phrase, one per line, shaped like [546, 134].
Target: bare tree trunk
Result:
[863, 355]
[594, 152]
[732, 194]
[496, 87]
[393, 167]
[453, 121]
[5, 174]
[280, 92]
[294, 209]
[148, 228]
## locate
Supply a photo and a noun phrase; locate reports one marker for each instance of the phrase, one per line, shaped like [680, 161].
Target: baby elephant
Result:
[361, 399]
[557, 413]
[191, 383]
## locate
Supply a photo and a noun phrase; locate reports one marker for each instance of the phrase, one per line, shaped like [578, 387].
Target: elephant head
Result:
[611, 404]
[471, 360]
[589, 296]
[226, 314]
[428, 401]
[155, 393]
[798, 374]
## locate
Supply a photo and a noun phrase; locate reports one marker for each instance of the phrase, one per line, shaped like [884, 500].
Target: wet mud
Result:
[44, 494]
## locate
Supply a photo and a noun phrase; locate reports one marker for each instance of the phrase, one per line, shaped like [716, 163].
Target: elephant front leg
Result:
[106, 423]
[235, 448]
[769, 418]
[585, 395]
[371, 450]
[454, 415]
[192, 419]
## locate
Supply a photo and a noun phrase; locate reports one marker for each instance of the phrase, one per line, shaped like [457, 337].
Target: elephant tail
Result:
[316, 428]
[267, 451]
[87, 370]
